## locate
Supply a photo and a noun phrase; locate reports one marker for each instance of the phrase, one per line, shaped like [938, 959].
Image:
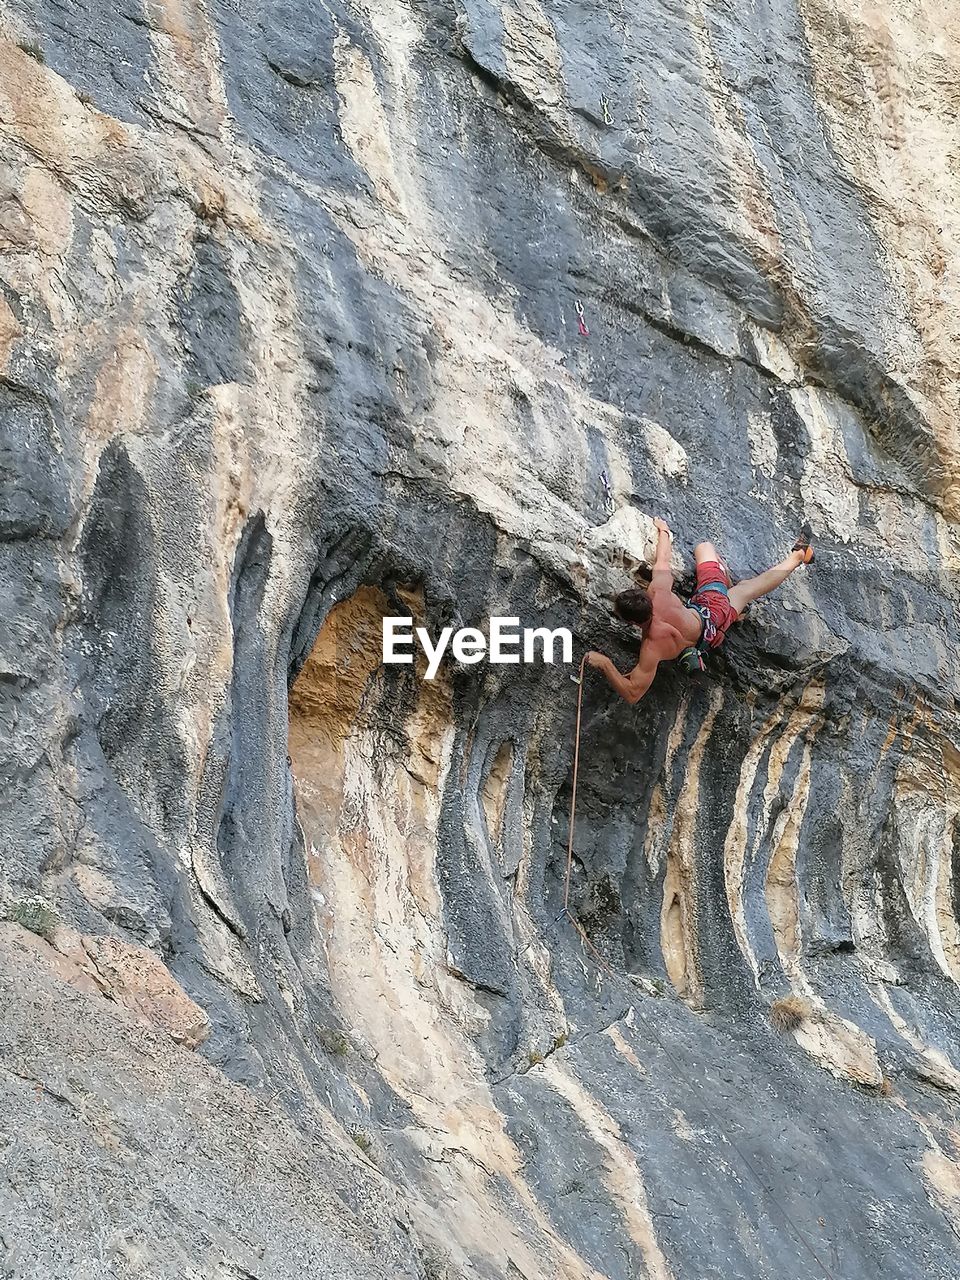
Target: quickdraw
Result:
[605, 108]
[581, 321]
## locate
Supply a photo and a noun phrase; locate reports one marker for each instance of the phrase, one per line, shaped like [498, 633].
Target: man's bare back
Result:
[669, 627]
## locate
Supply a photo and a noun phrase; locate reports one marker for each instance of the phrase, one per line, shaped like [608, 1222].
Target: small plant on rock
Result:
[362, 1139]
[33, 914]
[333, 1042]
[788, 1013]
[33, 50]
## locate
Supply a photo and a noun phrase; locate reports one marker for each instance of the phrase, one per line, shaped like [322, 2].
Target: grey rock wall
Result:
[289, 342]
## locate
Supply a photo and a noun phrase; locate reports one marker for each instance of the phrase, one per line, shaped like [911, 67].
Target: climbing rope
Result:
[573, 794]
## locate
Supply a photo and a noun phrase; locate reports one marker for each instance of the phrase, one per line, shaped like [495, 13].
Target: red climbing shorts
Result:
[711, 594]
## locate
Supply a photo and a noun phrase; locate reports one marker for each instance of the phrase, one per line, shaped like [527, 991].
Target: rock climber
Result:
[671, 628]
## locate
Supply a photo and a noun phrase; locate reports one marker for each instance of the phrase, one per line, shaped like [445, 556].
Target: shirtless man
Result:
[671, 629]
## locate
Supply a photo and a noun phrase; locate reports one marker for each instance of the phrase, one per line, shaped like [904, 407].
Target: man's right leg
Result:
[707, 553]
[753, 588]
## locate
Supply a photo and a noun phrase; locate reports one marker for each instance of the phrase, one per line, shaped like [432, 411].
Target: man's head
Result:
[634, 606]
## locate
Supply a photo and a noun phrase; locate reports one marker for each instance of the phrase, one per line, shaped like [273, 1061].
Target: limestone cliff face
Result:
[288, 342]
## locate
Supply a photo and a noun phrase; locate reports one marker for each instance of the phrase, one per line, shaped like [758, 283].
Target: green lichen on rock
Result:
[34, 914]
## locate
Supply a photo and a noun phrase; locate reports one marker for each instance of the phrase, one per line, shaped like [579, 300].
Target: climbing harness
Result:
[581, 322]
[605, 108]
[693, 659]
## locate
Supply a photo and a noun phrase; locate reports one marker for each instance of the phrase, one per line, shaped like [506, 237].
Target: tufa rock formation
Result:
[289, 342]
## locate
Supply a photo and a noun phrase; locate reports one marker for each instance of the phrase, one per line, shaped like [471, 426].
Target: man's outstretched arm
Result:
[662, 576]
[634, 685]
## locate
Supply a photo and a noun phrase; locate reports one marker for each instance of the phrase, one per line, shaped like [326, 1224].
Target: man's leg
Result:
[707, 553]
[753, 588]
[662, 577]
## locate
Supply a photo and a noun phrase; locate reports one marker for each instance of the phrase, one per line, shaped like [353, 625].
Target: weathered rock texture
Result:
[288, 341]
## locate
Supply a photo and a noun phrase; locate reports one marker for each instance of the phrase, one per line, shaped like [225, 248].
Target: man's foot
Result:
[803, 543]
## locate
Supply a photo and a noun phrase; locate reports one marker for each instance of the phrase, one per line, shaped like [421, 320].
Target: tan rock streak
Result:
[10, 331]
[930, 771]
[622, 1175]
[132, 976]
[678, 916]
[735, 845]
[379, 916]
[328, 693]
[886, 79]
[531, 52]
[781, 887]
[188, 60]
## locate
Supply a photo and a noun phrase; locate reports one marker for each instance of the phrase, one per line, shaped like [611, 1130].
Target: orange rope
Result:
[573, 798]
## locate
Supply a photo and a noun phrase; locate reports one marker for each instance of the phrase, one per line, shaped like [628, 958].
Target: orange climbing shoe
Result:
[803, 543]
